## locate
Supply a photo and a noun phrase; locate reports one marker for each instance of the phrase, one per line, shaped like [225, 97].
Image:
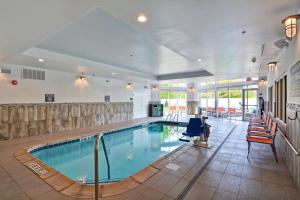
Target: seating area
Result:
[221, 112]
[263, 130]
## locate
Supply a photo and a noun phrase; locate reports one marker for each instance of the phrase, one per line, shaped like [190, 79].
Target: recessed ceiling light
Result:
[142, 18]
[41, 60]
[199, 60]
[114, 73]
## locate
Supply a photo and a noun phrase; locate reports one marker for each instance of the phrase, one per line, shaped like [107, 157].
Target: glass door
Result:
[250, 103]
[173, 102]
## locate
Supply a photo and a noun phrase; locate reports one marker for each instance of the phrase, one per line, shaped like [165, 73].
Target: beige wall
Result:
[286, 59]
[67, 88]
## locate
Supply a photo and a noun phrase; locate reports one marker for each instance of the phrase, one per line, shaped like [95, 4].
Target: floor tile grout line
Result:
[182, 195]
[16, 183]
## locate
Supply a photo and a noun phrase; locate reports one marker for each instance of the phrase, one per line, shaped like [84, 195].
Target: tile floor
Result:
[232, 176]
[228, 175]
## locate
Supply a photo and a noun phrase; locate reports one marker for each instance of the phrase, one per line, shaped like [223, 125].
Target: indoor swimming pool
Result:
[127, 151]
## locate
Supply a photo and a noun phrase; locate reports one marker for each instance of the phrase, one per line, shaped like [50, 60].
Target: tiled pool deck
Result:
[228, 175]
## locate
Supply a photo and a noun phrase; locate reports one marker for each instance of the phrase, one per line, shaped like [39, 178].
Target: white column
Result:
[192, 100]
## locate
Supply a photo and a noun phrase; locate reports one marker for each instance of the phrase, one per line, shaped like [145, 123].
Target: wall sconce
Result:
[192, 89]
[2, 76]
[262, 82]
[271, 66]
[129, 85]
[154, 88]
[290, 24]
[81, 82]
[82, 77]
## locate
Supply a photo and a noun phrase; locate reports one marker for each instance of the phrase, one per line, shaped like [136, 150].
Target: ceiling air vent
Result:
[33, 74]
[5, 71]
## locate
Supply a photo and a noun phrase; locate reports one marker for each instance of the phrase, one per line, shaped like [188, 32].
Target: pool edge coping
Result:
[71, 188]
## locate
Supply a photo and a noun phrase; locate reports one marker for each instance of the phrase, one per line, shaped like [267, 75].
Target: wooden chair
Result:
[263, 138]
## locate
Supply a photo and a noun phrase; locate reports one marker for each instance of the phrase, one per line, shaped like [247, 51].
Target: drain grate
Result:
[194, 179]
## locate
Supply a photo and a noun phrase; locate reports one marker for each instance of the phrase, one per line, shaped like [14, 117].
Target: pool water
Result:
[128, 151]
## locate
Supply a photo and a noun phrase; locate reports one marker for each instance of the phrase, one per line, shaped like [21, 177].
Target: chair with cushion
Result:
[264, 126]
[263, 138]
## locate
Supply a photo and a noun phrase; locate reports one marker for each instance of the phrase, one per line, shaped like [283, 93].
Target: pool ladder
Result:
[96, 161]
[172, 117]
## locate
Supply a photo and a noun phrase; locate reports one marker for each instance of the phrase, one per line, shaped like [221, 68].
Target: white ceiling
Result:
[101, 35]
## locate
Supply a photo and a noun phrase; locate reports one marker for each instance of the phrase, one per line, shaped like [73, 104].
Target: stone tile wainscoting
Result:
[292, 132]
[21, 120]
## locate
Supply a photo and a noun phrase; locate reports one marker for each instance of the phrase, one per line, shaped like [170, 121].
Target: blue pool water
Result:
[128, 150]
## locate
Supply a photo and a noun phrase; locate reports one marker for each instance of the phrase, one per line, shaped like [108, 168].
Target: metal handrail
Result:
[106, 158]
[176, 115]
[169, 115]
[96, 166]
[96, 149]
[290, 144]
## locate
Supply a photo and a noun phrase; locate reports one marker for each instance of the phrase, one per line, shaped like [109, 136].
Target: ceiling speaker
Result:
[281, 43]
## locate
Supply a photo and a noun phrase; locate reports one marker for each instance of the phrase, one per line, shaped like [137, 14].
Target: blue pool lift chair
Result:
[200, 130]
[195, 128]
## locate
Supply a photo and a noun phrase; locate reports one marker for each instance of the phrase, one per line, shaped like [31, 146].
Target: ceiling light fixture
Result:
[41, 60]
[192, 89]
[114, 73]
[142, 18]
[271, 66]
[290, 24]
[199, 60]
[155, 87]
[262, 82]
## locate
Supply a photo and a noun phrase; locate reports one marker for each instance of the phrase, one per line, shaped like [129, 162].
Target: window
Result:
[211, 101]
[223, 96]
[203, 99]
[236, 98]
[173, 102]
[173, 85]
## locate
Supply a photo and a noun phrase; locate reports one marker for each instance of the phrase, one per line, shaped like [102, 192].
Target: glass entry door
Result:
[173, 102]
[250, 103]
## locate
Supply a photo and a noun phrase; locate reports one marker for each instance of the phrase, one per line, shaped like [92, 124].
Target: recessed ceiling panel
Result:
[212, 30]
[100, 37]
